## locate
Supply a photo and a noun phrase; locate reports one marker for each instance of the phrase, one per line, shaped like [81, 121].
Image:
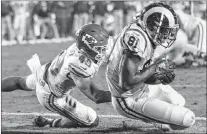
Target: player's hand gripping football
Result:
[165, 71]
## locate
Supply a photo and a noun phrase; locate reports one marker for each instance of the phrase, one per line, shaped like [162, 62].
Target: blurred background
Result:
[30, 22]
[47, 28]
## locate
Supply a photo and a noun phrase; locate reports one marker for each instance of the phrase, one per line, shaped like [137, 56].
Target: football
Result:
[152, 80]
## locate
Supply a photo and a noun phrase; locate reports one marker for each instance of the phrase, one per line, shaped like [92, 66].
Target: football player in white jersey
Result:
[132, 63]
[72, 68]
[190, 45]
[21, 14]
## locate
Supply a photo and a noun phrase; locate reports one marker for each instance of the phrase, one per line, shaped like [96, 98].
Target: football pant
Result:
[161, 104]
[66, 106]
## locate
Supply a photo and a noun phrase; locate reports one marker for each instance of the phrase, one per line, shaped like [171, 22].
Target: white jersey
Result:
[137, 39]
[69, 61]
[195, 28]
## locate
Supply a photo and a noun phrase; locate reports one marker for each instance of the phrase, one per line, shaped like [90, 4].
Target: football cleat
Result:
[96, 122]
[163, 127]
[41, 121]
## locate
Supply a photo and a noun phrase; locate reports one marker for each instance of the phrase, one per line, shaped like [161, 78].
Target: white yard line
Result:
[192, 86]
[53, 114]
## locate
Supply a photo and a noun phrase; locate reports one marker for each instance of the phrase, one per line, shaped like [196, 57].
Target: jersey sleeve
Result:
[57, 63]
[135, 40]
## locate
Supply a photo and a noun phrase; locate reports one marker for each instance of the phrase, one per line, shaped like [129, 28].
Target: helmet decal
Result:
[92, 39]
[162, 10]
[78, 32]
[88, 39]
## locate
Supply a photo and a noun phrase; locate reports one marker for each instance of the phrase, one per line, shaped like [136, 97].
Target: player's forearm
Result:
[140, 77]
[99, 96]
[129, 75]
[95, 94]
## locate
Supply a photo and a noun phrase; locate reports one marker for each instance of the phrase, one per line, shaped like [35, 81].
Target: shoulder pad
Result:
[71, 50]
[82, 66]
[57, 63]
[135, 40]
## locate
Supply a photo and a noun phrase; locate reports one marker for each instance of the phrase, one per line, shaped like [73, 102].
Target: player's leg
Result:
[75, 111]
[178, 117]
[26, 83]
[43, 95]
[12, 83]
[10, 28]
[63, 122]
[199, 38]
[75, 114]
[178, 48]
[4, 28]
[154, 110]
[22, 28]
[44, 29]
[51, 24]
[182, 52]
[176, 51]
[55, 29]
[166, 93]
[36, 26]
[16, 25]
[65, 106]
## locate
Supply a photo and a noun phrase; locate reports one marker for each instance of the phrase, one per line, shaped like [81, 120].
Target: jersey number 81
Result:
[131, 40]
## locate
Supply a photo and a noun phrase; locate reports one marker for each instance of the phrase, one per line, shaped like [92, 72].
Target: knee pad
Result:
[168, 113]
[189, 119]
[95, 123]
[92, 116]
[182, 116]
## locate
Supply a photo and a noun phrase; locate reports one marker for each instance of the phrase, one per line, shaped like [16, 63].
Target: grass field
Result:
[19, 107]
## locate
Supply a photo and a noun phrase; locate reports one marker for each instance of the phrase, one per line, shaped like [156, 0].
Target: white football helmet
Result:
[160, 22]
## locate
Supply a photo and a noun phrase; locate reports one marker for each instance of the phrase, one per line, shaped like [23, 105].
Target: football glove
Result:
[165, 71]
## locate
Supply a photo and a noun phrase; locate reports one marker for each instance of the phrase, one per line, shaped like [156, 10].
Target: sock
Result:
[54, 122]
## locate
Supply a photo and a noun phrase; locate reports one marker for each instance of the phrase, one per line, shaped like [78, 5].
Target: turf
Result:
[191, 83]
[106, 125]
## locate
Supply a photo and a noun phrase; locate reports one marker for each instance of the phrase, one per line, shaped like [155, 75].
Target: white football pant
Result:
[65, 106]
[161, 104]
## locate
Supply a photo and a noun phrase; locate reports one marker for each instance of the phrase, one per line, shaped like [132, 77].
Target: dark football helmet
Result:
[93, 40]
[160, 22]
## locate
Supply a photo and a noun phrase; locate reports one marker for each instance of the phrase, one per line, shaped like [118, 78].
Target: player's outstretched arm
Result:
[100, 96]
[9, 84]
[91, 90]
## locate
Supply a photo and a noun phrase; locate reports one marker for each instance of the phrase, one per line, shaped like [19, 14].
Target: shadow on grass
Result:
[125, 130]
[36, 130]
